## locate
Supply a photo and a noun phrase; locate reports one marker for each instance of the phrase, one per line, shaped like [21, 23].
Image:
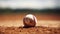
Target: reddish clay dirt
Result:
[31, 30]
[20, 17]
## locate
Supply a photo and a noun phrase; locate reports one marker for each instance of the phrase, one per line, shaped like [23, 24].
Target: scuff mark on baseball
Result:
[29, 20]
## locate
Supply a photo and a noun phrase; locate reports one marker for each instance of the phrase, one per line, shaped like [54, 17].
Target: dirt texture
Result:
[30, 30]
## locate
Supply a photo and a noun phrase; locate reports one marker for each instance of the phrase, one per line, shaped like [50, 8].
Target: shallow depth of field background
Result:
[47, 12]
[16, 19]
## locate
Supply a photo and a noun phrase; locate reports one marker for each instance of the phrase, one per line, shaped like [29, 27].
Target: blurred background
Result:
[47, 12]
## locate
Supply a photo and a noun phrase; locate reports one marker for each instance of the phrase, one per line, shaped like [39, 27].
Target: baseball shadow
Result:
[33, 27]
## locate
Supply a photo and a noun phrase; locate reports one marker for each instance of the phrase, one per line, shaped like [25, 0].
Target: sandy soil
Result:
[47, 24]
[17, 20]
[21, 16]
[31, 30]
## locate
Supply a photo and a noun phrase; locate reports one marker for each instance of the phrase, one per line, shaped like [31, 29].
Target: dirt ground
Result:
[21, 16]
[31, 30]
[42, 19]
[14, 20]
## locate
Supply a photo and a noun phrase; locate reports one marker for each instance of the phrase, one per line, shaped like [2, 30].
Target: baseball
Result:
[29, 20]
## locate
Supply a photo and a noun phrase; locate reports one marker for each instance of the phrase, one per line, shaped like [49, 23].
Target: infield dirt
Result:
[13, 24]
